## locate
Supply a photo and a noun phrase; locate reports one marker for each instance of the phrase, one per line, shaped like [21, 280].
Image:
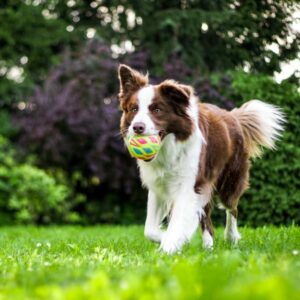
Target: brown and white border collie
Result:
[204, 150]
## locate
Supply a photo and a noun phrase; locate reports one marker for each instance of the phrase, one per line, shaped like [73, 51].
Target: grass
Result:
[118, 263]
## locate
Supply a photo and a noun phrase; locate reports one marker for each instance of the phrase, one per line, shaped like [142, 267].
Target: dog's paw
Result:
[170, 245]
[154, 236]
[232, 237]
[208, 242]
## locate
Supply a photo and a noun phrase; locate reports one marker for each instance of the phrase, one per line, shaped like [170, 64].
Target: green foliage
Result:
[25, 31]
[30, 41]
[71, 263]
[33, 193]
[208, 35]
[30, 195]
[274, 194]
[6, 128]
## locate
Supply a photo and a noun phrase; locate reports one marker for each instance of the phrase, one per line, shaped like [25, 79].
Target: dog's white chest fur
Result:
[174, 170]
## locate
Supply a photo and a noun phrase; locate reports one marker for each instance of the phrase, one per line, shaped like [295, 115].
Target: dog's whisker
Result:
[118, 134]
[122, 132]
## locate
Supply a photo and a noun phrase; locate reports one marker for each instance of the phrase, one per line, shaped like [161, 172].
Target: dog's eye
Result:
[156, 110]
[134, 109]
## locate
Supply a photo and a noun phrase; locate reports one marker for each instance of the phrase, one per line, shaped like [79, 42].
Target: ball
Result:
[143, 147]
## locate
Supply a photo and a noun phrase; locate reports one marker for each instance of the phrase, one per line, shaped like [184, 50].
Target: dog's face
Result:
[153, 109]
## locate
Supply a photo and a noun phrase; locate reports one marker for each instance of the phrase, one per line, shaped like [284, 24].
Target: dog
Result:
[205, 150]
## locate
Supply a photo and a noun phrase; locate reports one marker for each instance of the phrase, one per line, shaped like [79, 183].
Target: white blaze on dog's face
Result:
[151, 110]
[142, 122]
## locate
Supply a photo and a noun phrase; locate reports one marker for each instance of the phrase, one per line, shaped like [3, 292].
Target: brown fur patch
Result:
[130, 82]
[234, 212]
[224, 159]
[128, 115]
[205, 221]
[176, 93]
[172, 100]
[217, 149]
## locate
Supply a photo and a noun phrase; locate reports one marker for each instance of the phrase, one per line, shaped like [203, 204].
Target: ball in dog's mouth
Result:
[144, 147]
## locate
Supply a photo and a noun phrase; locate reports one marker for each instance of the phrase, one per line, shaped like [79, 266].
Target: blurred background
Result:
[62, 159]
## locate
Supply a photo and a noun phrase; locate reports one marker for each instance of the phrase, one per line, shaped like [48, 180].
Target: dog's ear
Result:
[177, 93]
[130, 81]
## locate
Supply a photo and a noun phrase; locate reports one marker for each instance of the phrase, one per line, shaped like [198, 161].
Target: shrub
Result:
[274, 194]
[30, 195]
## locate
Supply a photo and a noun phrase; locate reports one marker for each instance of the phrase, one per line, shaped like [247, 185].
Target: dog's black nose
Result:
[139, 127]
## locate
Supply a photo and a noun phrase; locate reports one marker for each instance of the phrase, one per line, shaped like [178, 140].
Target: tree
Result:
[31, 41]
[208, 35]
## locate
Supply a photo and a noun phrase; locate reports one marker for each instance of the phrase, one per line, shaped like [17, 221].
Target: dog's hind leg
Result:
[231, 232]
[232, 184]
[207, 227]
[205, 195]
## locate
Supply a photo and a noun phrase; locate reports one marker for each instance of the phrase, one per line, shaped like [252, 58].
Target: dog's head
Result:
[154, 109]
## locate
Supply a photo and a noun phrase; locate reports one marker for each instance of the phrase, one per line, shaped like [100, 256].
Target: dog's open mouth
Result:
[148, 160]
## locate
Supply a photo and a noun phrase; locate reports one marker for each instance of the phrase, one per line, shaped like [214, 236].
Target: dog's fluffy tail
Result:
[261, 124]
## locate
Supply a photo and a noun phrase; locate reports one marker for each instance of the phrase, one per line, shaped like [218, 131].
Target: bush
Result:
[30, 195]
[274, 194]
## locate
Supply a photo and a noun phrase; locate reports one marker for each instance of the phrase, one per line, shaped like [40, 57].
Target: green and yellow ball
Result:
[144, 147]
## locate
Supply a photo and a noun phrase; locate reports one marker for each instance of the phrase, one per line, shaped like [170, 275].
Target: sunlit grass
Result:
[118, 263]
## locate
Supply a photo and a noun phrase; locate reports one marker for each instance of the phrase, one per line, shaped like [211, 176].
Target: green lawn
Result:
[118, 263]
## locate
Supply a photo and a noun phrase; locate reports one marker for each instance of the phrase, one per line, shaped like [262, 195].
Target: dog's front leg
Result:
[155, 214]
[184, 220]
